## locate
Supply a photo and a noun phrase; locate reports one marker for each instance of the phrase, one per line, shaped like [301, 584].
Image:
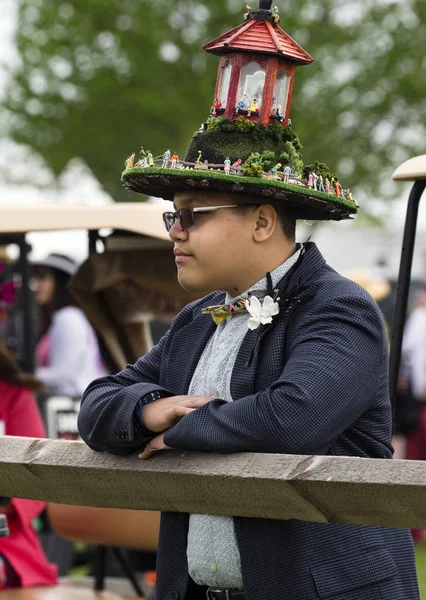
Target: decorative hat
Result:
[247, 145]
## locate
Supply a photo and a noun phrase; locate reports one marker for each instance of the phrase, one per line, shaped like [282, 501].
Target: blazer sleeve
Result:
[333, 370]
[106, 417]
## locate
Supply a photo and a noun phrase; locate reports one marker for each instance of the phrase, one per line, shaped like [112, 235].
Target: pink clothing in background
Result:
[19, 415]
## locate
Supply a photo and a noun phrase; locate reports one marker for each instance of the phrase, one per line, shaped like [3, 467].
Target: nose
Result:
[176, 233]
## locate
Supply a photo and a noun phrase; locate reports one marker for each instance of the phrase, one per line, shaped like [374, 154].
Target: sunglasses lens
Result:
[169, 220]
[185, 218]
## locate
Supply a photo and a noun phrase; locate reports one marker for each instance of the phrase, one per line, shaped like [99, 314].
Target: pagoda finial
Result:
[264, 12]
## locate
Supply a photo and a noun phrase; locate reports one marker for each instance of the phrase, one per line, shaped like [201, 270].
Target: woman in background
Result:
[22, 560]
[67, 355]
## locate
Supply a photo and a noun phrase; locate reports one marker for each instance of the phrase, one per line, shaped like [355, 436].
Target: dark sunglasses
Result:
[185, 216]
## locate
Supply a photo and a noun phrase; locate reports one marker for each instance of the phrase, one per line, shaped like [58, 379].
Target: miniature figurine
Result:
[166, 158]
[235, 166]
[310, 179]
[275, 169]
[142, 154]
[275, 14]
[287, 173]
[241, 104]
[249, 12]
[175, 159]
[315, 176]
[254, 108]
[279, 113]
[227, 164]
[216, 106]
[150, 159]
[327, 185]
[198, 161]
[130, 161]
[337, 187]
[321, 184]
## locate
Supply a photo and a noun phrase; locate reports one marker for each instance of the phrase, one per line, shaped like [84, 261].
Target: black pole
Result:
[403, 287]
[27, 306]
[128, 571]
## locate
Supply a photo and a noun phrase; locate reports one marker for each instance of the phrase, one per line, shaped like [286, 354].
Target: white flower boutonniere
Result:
[261, 314]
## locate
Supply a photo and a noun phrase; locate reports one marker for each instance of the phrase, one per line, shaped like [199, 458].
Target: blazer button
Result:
[175, 596]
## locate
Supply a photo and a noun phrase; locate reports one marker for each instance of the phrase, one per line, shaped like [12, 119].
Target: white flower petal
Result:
[275, 309]
[266, 320]
[253, 323]
[267, 302]
[254, 307]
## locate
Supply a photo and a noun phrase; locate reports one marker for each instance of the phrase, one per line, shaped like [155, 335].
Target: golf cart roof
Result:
[140, 218]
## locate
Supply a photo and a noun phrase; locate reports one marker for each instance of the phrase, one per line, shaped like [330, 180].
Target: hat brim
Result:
[306, 203]
[55, 263]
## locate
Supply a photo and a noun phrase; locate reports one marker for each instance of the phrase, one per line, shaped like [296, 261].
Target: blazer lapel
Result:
[187, 347]
[244, 372]
[242, 380]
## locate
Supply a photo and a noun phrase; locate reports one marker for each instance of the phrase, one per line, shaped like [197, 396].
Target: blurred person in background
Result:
[413, 382]
[67, 354]
[22, 560]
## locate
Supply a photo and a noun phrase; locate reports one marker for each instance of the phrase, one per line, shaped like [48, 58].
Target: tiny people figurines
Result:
[150, 159]
[227, 163]
[236, 165]
[175, 160]
[130, 161]
[166, 158]
[249, 12]
[287, 173]
[275, 14]
[198, 161]
[254, 108]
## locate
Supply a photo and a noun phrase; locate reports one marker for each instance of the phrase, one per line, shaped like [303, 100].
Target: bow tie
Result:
[220, 312]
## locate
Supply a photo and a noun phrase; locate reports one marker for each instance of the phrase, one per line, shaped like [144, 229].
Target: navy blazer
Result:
[313, 382]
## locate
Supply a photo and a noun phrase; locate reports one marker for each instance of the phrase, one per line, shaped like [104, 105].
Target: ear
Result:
[265, 224]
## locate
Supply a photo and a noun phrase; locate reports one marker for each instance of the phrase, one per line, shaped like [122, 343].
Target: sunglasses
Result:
[185, 216]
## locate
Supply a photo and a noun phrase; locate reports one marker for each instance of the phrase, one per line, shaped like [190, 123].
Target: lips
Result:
[181, 256]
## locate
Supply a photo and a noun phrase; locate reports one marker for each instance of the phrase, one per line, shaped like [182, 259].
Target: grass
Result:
[260, 182]
[421, 569]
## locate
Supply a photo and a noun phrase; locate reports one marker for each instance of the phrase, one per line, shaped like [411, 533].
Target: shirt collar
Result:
[259, 288]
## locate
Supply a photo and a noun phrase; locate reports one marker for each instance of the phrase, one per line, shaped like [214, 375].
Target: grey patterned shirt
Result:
[212, 551]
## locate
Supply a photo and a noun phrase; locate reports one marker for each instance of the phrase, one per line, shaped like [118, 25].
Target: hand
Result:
[160, 415]
[154, 446]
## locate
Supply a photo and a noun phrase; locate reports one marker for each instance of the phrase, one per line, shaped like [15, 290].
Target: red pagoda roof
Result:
[259, 36]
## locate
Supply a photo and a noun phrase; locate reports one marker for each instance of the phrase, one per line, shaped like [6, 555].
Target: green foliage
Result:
[213, 123]
[276, 131]
[268, 160]
[291, 157]
[244, 125]
[319, 169]
[259, 133]
[290, 136]
[227, 126]
[253, 169]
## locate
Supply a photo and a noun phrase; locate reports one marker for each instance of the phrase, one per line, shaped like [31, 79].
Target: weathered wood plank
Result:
[273, 486]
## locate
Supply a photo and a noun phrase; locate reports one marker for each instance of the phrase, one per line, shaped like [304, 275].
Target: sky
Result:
[78, 186]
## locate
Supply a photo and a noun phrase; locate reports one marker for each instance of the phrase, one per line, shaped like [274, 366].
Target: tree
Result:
[99, 78]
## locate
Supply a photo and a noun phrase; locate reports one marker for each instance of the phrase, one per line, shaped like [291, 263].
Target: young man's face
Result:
[214, 253]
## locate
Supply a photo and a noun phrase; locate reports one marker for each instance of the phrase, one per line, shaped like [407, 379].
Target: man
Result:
[166, 158]
[313, 380]
[287, 173]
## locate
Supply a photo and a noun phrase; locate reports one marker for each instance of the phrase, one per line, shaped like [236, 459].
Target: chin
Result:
[192, 284]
